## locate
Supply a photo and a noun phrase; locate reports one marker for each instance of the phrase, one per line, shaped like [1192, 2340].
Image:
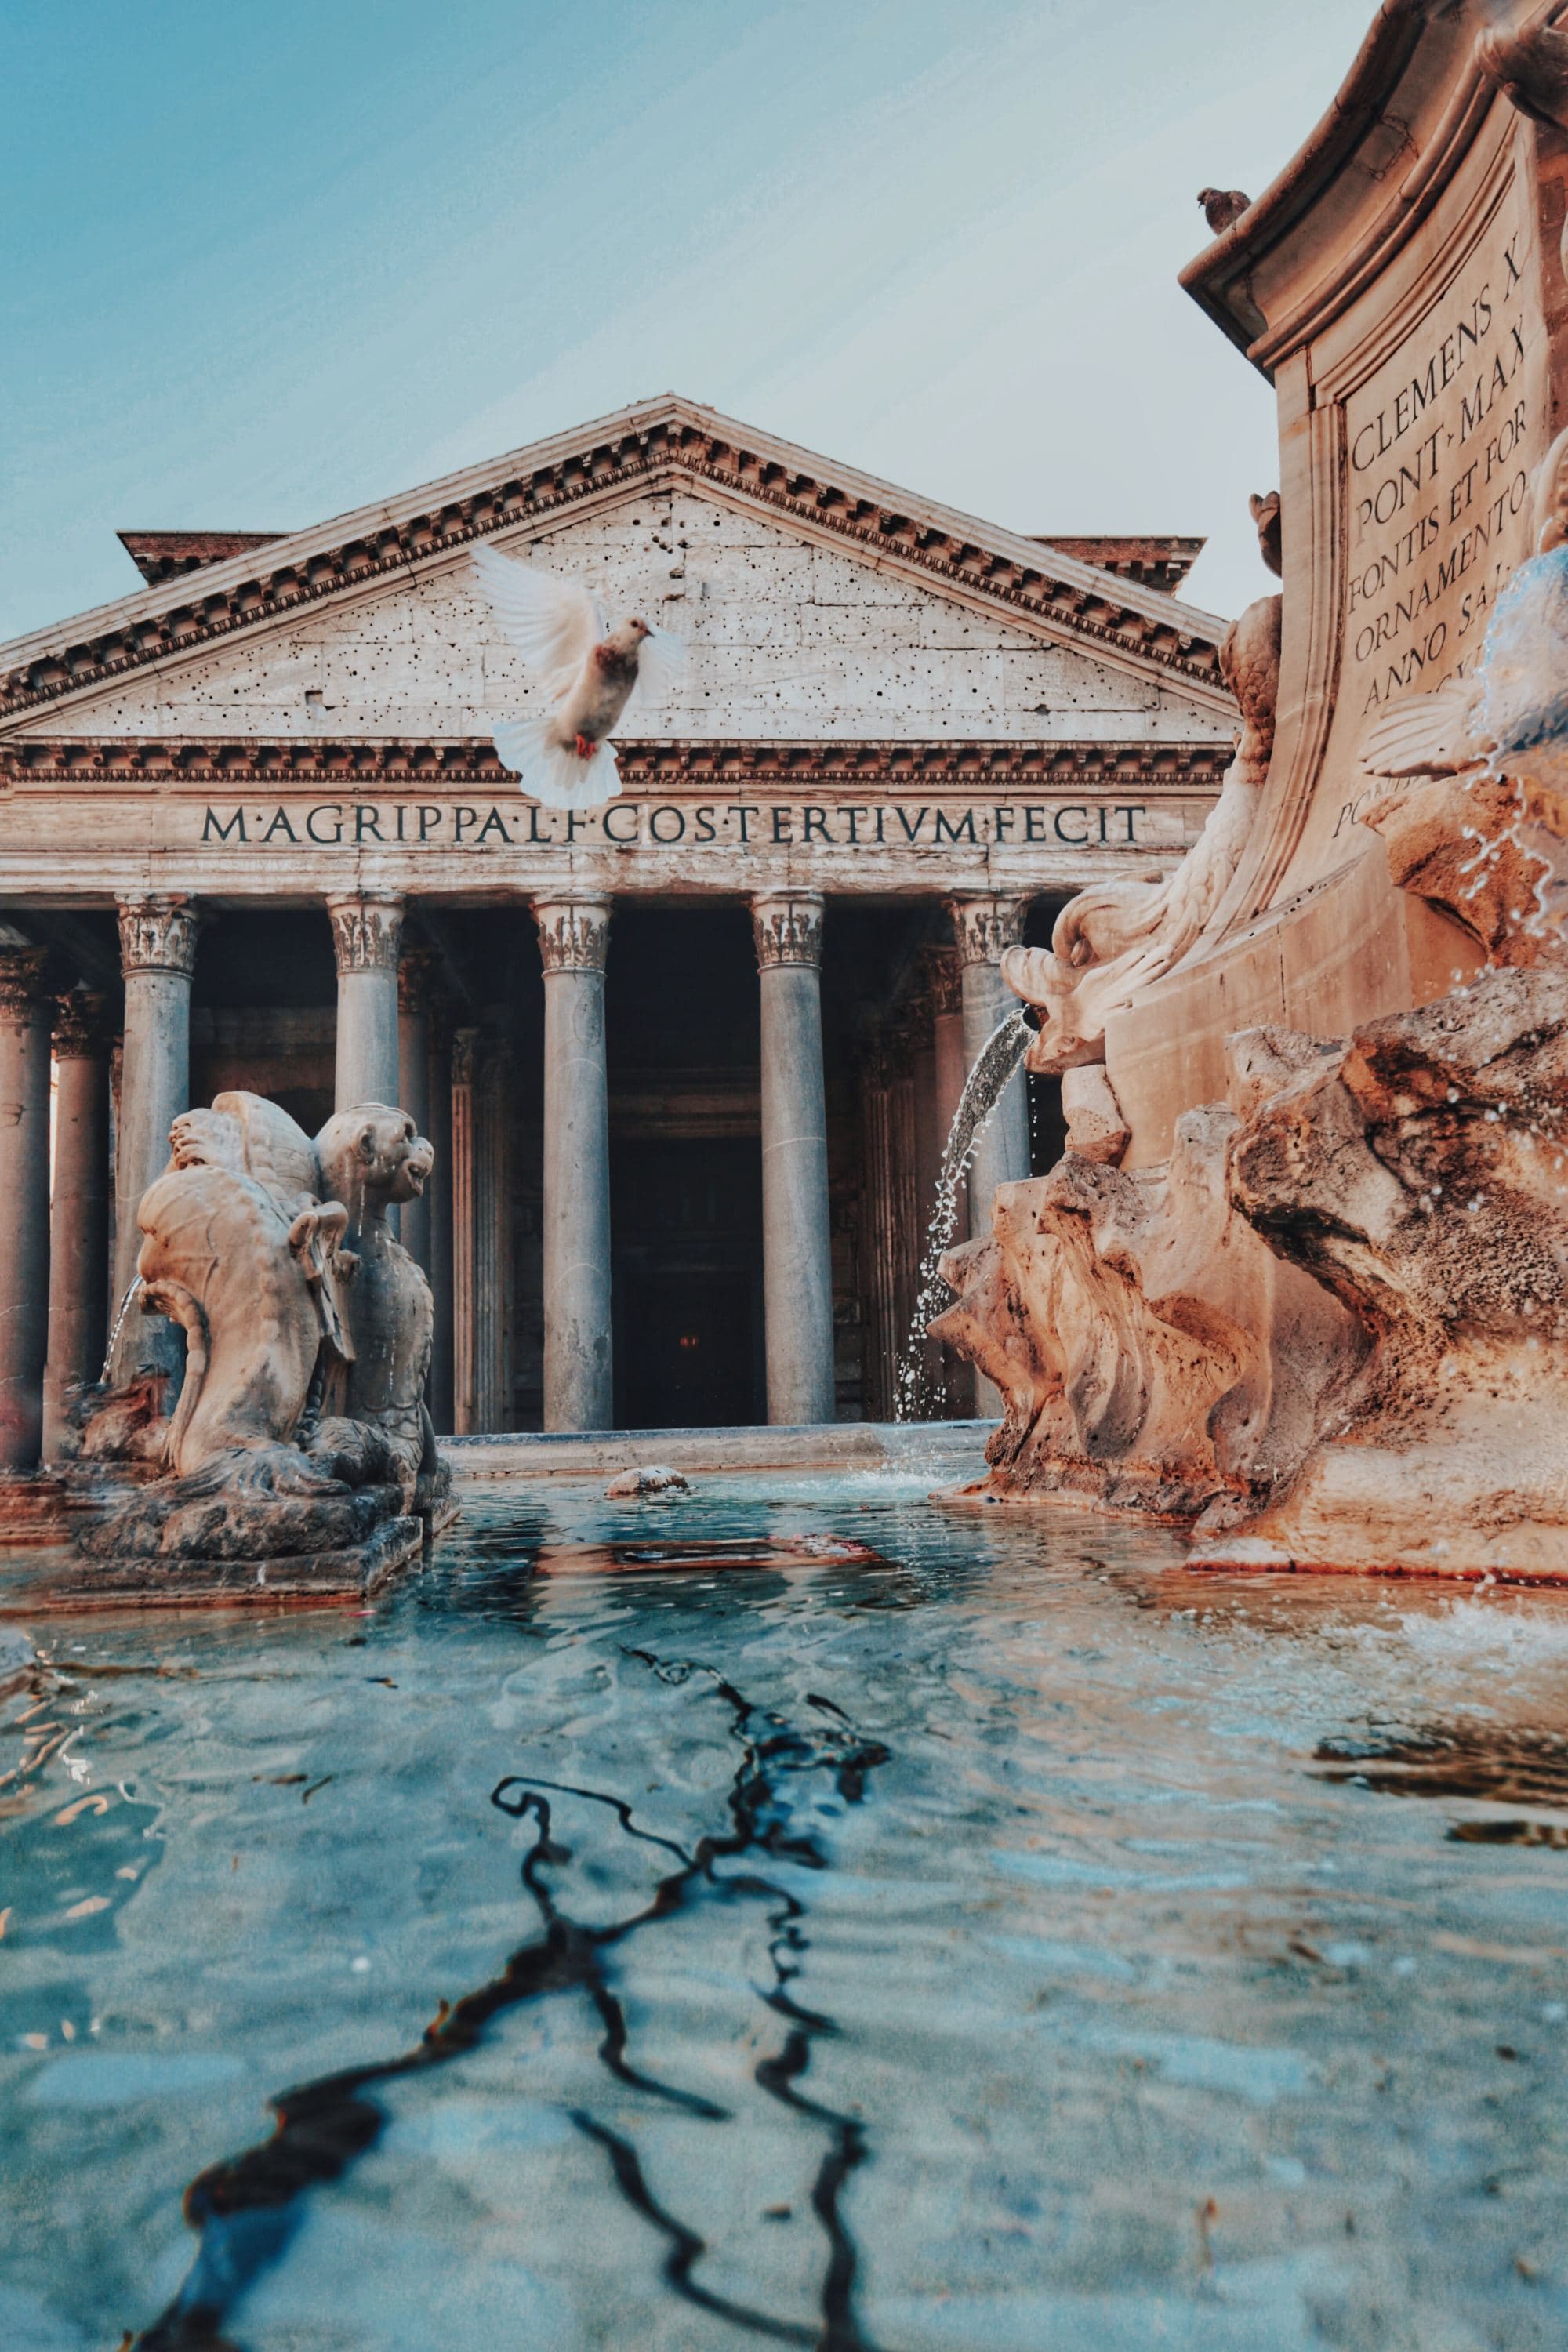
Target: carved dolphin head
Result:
[374, 1153]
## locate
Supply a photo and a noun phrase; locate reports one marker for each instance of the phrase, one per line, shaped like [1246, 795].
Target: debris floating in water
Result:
[658, 1479]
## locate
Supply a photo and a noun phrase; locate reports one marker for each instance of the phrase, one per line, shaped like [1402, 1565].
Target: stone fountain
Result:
[297, 1461]
[1301, 1282]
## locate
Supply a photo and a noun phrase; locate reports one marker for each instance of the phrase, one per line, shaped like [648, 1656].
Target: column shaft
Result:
[465, 1054]
[797, 1257]
[414, 1094]
[492, 1241]
[440, 1198]
[573, 937]
[79, 1217]
[158, 955]
[367, 928]
[24, 1204]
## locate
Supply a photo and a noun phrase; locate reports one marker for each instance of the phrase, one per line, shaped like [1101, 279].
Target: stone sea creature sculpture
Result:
[1223, 207]
[299, 1455]
[1128, 1319]
[1418, 1171]
[1109, 943]
[587, 671]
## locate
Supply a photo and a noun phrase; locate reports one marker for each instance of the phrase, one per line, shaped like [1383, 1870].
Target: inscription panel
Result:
[1439, 444]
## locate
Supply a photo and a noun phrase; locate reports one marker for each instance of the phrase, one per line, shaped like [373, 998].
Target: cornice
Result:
[467, 763]
[670, 441]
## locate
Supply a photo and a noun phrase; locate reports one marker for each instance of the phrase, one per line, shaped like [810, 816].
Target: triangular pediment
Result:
[178, 657]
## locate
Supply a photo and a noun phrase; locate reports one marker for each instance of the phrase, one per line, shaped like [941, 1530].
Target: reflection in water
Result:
[247, 2208]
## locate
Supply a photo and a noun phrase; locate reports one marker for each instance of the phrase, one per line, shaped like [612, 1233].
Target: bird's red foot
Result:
[585, 747]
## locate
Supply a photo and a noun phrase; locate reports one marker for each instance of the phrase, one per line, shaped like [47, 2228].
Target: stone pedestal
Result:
[797, 1266]
[366, 929]
[158, 956]
[573, 938]
[984, 928]
[413, 1220]
[24, 1203]
[79, 1217]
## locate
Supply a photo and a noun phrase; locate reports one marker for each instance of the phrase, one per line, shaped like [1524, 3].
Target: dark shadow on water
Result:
[246, 2208]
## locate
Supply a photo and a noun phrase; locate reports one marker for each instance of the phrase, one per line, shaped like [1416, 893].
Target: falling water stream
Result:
[994, 1066]
[131, 1289]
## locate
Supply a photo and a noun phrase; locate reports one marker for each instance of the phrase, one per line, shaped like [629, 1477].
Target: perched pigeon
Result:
[586, 671]
[1222, 206]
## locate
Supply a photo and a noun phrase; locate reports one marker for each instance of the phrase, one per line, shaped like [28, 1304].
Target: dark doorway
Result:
[686, 1179]
[686, 1217]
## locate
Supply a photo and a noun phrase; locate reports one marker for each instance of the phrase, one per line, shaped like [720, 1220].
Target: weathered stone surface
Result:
[1418, 1173]
[1149, 1351]
[301, 1434]
[1096, 1128]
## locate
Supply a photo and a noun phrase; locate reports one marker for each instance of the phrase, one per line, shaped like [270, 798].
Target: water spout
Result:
[135, 1286]
[994, 1065]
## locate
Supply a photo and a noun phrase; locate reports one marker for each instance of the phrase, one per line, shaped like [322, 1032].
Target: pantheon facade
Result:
[687, 1059]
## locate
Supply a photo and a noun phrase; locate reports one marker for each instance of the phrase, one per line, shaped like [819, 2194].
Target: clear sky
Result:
[266, 263]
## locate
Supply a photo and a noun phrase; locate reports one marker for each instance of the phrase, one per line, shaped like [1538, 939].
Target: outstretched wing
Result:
[1428, 734]
[552, 623]
[661, 663]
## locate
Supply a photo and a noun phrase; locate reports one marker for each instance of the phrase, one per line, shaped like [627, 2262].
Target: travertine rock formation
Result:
[1131, 1321]
[1419, 1173]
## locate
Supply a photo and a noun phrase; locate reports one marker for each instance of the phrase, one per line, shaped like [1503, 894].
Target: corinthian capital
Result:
[21, 981]
[81, 1032]
[787, 928]
[574, 933]
[984, 927]
[158, 934]
[367, 927]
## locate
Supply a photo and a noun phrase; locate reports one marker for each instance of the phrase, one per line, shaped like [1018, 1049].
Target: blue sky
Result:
[266, 263]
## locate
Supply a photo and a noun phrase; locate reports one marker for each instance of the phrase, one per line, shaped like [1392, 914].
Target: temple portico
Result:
[687, 1058]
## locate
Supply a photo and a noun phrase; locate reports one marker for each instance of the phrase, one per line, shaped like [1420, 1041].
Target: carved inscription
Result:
[670, 825]
[1439, 443]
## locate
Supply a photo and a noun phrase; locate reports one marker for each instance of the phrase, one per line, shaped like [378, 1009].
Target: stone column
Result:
[573, 938]
[465, 1055]
[493, 1239]
[79, 1217]
[367, 928]
[23, 1202]
[797, 1259]
[414, 1091]
[439, 1196]
[158, 957]
[984, 927]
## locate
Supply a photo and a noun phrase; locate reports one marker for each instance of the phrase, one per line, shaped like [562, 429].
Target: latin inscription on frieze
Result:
[629, 823]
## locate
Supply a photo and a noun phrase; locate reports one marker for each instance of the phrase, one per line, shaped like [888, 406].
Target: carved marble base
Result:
[1152, 1353]
[298, 1579]
[1422, 1173]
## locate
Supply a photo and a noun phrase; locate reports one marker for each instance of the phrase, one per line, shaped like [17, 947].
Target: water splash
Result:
[996, 1063]
[135, 1286]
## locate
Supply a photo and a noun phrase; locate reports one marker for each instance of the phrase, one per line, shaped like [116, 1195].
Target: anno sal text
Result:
[667, 824]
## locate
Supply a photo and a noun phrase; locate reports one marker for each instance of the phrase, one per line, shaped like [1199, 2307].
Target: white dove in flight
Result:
[587, 672]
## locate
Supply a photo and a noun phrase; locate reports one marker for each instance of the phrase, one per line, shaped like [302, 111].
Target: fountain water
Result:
[132, 1289]
[994, 1065]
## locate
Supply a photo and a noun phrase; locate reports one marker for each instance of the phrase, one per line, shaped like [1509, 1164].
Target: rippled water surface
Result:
[1009, 1940]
